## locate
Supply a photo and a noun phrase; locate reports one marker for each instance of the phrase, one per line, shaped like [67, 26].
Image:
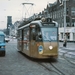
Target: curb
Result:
[67, 48]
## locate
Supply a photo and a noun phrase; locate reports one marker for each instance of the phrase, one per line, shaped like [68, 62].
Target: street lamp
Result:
[64, 1]
[64, 16]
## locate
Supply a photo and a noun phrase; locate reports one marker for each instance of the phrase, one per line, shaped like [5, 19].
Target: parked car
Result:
[14, 37]
[7, 39]
[2, 44]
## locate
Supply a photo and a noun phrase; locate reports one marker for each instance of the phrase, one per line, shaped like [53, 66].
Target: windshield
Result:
[1, 38]
[49, 34]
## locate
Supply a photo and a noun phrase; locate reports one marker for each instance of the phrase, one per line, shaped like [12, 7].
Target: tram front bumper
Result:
[50, 55]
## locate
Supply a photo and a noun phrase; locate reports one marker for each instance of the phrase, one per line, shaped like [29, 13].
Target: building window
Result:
[58, 14]
[73, 22]
[62, 13]
[73, 11]
[74, 36]
[61, 35]
[51, 15]
[55, 14]
[68, 35]
[67, 10]
[68, 24]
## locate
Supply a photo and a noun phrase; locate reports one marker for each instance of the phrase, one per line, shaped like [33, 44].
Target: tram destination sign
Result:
[48, 24]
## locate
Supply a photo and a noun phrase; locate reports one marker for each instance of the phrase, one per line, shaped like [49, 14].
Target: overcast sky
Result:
[15, 9]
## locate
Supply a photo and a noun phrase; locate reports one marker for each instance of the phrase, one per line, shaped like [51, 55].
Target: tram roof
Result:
[37, 22]
[40, 23]
[24, 26]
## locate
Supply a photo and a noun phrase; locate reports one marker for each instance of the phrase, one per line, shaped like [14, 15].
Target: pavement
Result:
[69, 45]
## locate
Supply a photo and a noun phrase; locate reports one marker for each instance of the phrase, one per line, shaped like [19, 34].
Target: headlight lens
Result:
[50, 47]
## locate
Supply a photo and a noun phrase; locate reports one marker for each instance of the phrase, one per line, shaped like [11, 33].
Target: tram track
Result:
[66, 58]
[71, 62]
[53, 68]
[57, 69]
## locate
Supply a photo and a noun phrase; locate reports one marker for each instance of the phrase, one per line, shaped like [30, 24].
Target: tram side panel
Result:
[26, 47]
[36, 49]
[33, 49]
[41, 50]
[19, 40]
[50, 52]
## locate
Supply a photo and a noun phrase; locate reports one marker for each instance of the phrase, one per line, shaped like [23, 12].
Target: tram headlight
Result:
[50, 47]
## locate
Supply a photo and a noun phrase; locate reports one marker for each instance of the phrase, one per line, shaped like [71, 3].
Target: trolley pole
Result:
[64, 35]
[26, 10]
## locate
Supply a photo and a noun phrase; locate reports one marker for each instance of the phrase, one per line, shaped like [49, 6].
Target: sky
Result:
[18, 11]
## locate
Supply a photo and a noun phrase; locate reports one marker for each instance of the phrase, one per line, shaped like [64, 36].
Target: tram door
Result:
[20, 38]
[33, 48]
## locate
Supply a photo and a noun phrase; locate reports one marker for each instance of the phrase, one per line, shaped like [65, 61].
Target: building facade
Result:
[56, 12]
[9, 24]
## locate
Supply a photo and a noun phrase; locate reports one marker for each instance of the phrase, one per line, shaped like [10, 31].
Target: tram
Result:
[39, 38]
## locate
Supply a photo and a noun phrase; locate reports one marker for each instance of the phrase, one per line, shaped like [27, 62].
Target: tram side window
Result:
[19, 35]
[26, 35]
[39, 34]
[33, 33]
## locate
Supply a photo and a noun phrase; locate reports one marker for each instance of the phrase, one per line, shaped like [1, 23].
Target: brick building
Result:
[56, 12]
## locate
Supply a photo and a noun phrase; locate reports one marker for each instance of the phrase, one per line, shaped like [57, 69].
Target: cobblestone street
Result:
[69, 45]
[14, 63]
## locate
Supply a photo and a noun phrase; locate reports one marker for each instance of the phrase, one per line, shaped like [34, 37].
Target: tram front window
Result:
[49, 34]
[39, 37]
